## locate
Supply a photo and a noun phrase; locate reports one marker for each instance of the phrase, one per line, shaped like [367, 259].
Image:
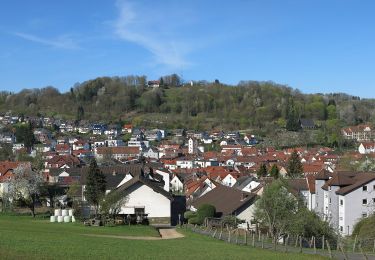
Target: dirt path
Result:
[169, 233]
[165, 233]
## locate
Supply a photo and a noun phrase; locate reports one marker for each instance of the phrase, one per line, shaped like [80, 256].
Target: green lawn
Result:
[27, 238]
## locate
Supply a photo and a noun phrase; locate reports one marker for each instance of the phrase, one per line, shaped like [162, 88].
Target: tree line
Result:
[199, 105]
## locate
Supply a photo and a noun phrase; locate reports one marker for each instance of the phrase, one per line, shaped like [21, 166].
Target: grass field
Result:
[27, 238]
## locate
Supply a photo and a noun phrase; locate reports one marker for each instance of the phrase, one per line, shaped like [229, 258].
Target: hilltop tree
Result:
[80, 113]
[24, 134]
[292, 117]
[294, 166]
[262, 171]
[95, 185]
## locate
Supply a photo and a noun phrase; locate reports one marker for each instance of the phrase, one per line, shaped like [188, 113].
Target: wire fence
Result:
[339, 248]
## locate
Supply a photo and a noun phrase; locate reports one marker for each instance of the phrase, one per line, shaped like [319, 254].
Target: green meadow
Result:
[27, 238]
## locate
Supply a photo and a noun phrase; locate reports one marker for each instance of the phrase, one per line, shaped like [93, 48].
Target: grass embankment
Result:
[26, 238]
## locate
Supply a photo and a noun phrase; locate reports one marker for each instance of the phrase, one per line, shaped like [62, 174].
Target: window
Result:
[364, 202]
[329, 188]
[341, 202]
[373, 187]
[373, 200]
[364, 188]
[364, 215]
[330, 201]
[341, 229]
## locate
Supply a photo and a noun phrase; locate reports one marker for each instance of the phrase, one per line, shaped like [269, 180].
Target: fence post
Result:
[373, 248]
[300, 244]
[263, 241]
[296, 241]
[338, 243]
[253, 243]
[314, 245]
[237, 234]
[343, 252]
[329, 249]
[323, 241]
[245, 238]
[214, 234]
[363, 253]
[286, 243]
[221, 233]
[275, 245]
[259, 236]
[229, 236]
[355, 242]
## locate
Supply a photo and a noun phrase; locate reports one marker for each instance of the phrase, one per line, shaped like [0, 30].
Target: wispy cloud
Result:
[61, 42]
[147, 29]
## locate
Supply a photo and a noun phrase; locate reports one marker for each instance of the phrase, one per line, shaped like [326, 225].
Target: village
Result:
[168, 172]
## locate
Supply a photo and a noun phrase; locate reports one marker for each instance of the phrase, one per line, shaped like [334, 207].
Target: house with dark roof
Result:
[344, 197]
[229, 201]
[306, 123]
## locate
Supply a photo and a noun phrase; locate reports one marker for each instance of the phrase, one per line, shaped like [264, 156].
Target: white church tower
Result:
[192, 146]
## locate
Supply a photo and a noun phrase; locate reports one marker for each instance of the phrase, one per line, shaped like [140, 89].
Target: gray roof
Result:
[242, 182]
[226, 200]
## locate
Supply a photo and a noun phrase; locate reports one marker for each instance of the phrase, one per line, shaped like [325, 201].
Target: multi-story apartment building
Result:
[359, 133]
[343, 198]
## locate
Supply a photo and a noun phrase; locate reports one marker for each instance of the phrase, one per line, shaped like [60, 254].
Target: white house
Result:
[114, 142]
[184, 163]
[145, 197]
[152, 153]
[366, 148]
[176, 184]
[229, 180]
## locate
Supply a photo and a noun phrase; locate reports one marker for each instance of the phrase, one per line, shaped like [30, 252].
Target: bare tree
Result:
[112, 203]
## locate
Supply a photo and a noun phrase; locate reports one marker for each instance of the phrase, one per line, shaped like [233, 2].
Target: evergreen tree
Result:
[95, 185]
[294, 167]
[262, 171]
[24, 134]
[274, 172]
[292, 118]
[80, 113]
[161, 82]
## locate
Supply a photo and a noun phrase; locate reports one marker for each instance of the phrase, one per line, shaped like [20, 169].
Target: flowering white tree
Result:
[25, 186]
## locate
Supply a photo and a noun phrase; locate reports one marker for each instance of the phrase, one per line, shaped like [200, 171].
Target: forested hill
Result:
[202, 105]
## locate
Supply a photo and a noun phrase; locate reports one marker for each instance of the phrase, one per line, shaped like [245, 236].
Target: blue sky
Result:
[313, 45]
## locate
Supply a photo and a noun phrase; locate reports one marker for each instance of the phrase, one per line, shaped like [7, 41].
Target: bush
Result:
[206, 211]
[189, 214]
[365, 228]
[232, 221]
[195, 220]
[203, 212]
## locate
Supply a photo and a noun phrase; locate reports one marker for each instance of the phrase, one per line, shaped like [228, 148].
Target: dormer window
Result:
[364, 188]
